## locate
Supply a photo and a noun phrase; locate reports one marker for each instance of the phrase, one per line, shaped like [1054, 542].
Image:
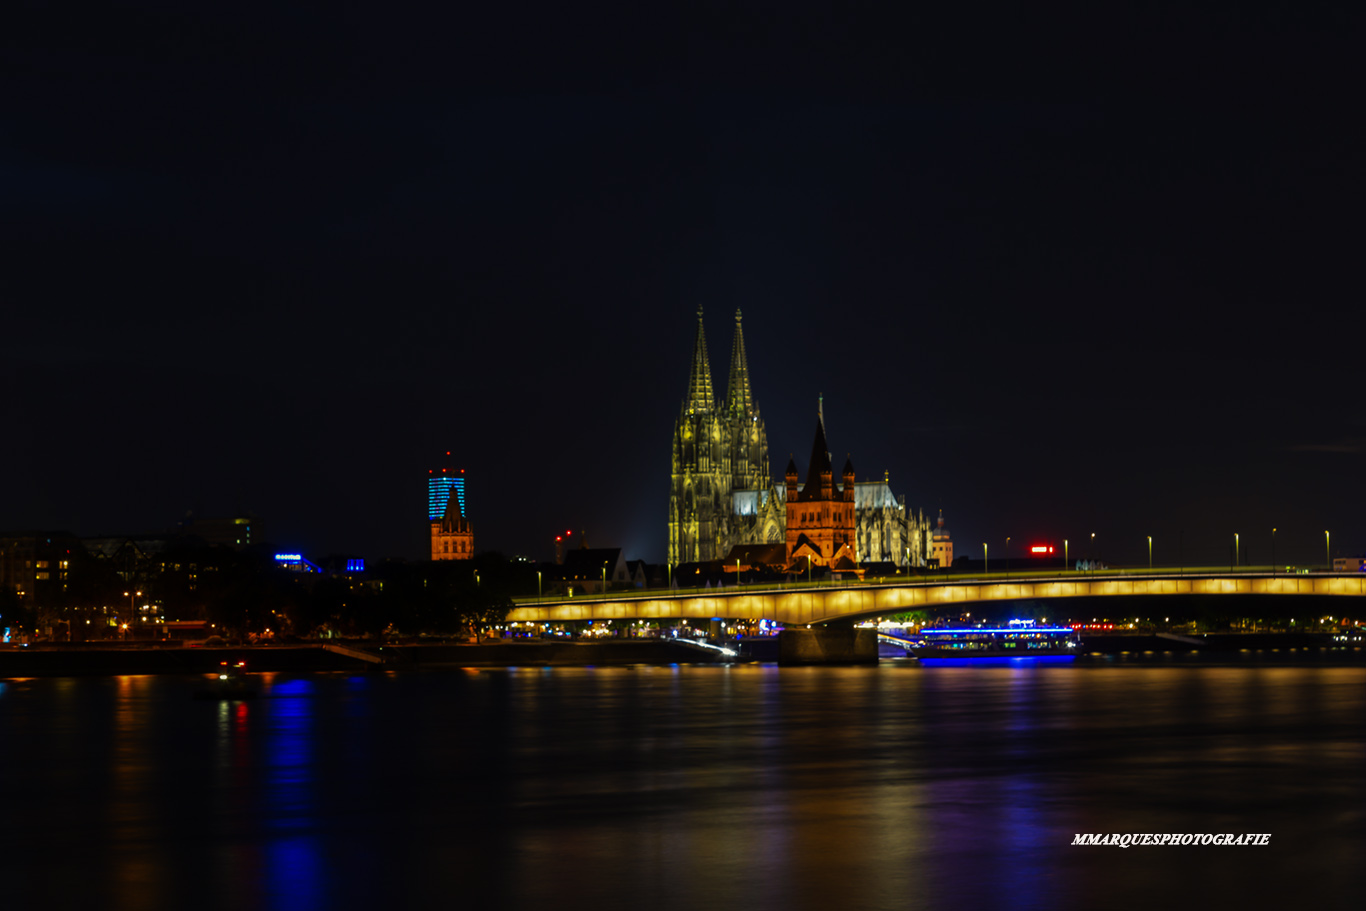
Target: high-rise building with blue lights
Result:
[442, 484]
[452, 536]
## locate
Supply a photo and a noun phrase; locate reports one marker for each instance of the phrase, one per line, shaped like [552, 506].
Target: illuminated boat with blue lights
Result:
[1017, 639]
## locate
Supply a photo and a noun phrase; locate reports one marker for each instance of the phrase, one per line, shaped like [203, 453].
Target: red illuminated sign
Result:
[1041, 549]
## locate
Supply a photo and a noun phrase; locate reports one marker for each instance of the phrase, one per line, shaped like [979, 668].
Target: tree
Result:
[481, 609]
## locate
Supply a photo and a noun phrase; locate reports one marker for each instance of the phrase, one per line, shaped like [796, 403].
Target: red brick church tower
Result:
[820, 518]
[453, 535]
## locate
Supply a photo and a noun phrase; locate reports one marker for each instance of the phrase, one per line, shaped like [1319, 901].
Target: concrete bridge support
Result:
[827, 645]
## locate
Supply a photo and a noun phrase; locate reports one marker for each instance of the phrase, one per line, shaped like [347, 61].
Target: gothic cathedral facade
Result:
[720, 449]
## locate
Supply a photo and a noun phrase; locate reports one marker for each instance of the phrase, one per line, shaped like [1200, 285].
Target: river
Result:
[749, 786]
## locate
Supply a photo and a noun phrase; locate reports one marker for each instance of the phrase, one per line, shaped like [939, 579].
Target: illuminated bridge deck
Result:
[803, 604]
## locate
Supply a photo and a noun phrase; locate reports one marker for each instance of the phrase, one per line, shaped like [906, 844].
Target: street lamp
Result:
[604, 577]
[1150, 553]
[1237, 558]
[1327, 554]
[808, 569]
[986, 562]
[1065, 559]
[538, 586]
[1007, 558]
[132, 608]
[1273, 553]
[1093, 553]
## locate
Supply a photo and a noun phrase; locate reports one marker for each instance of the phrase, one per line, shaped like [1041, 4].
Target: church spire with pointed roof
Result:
[821, 520]
[820, 454]
[739, 398]
[700, 398]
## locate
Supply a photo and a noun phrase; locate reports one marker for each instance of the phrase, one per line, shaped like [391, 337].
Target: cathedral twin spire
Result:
[701, 399]
[720, 449]
[699, 381]
[739, 399]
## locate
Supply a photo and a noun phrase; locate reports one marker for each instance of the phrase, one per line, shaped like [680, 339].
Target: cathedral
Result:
[720, 450]
[722, 495]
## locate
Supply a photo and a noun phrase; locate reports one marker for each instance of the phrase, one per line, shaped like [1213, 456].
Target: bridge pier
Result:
[827, 645]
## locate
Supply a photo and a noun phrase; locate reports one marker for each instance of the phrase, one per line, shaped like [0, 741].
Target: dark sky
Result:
[1057, 277]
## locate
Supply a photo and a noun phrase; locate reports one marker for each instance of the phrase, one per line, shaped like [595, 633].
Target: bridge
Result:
[802, 604]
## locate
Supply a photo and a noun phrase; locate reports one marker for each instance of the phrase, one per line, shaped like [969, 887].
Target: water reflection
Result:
[293, 852]
[686, 787]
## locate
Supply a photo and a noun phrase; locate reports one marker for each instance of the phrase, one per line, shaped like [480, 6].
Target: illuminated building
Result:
[820, 516]
[36, 566]
[941, 546]
[885, 531]
[442, 484]
[452, 533]
[722, 496]
[297, 563]
[719, 450]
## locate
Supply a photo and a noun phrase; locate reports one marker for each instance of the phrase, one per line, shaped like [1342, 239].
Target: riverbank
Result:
[92, 660]
[351, 656]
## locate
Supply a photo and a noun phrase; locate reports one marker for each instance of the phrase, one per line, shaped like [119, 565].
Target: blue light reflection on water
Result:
[295, 867]
[1039, 661]
[297, 873]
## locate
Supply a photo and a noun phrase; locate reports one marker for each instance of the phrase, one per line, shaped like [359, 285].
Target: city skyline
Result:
[246, 276]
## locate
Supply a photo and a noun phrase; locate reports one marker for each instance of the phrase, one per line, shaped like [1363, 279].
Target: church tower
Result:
[699, 496]
[941, 545]
[821, 516]
[452, 534]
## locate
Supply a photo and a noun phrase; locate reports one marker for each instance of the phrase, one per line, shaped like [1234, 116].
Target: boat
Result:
[231, 683]
[1017, 639]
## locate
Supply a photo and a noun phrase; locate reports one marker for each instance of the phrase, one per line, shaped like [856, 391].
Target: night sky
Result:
[1089, 275]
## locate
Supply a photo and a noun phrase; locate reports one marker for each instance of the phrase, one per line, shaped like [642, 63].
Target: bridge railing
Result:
[925, 579]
